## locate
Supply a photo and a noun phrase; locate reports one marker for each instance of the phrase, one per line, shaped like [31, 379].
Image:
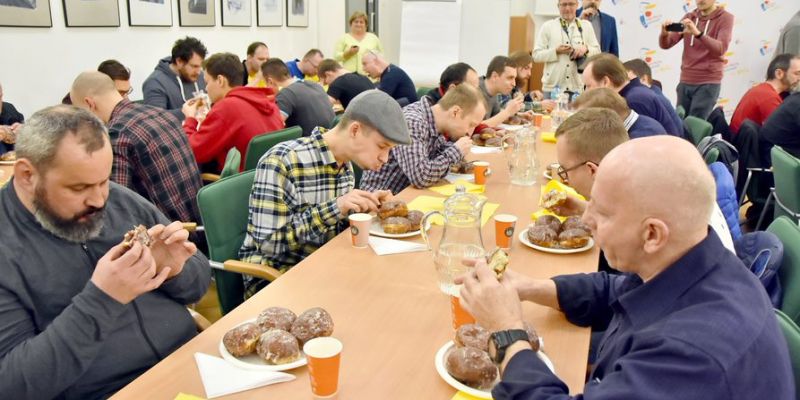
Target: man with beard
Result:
[82, 313]
[176, 78]
[783, 75]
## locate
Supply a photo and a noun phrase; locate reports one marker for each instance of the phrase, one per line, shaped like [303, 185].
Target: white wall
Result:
[389, 25]
[38, 64]
[484, 31]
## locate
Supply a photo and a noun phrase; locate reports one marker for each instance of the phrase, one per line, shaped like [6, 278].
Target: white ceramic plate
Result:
[481, 394]
[512, 128]
[547, 176]
[7, 162]
[256, 363]
[523, 237]
[377, 230]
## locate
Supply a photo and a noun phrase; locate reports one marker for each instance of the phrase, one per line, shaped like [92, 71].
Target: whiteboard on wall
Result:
[430, 34]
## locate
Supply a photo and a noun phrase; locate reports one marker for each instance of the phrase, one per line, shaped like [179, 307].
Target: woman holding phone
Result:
[352, 45]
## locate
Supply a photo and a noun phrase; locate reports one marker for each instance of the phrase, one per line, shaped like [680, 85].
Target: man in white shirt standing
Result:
[563, 44]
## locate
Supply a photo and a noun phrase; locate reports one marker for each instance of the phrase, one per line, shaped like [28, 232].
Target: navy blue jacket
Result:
[609, 42]
[646, 102]
[702, 329]
[396, 83]
[673, 114]
[645, 126]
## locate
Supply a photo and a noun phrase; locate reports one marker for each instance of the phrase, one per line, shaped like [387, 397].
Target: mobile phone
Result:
[675, 27]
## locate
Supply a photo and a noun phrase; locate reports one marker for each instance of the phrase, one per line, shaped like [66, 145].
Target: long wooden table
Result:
[388, 312]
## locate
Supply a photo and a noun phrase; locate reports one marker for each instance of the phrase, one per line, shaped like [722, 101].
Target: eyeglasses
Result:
[567, 5]
[563, 173]
[125, 92]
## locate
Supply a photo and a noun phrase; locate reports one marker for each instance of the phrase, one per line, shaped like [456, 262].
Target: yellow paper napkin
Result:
[449, 190]
[549, 137]
[184, 396]
[427, 204]
[559, 186]
[464, 396]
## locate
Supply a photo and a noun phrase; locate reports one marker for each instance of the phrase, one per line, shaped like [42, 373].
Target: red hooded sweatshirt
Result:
[703, 58]
[243, 113]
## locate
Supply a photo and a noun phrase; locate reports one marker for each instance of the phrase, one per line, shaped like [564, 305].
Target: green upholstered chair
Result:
[792, 334]
[224, 211]
[788, 232]
[712, 156]
[259, 145]
[423, 90]
[698, 128]
[232, 161]
[786, 170]
[681, 111]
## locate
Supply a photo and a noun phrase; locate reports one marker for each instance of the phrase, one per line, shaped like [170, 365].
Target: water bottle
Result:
[554, 94]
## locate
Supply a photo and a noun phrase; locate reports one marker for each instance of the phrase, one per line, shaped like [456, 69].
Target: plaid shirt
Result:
[423, 162]
[152, 157]
[293, 207]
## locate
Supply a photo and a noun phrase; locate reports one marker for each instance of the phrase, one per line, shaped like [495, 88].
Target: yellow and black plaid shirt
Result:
[293, 207]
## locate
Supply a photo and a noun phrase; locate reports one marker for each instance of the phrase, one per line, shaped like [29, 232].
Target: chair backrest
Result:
[336, 119]
[259, 145]
[762, 253]
[698, 128]
[786, 170]
[712, 156]
[719, 123]
[422, 91]
[224, 211]
[789, 233]
[792, 334]
[681, 111]
[232, 162]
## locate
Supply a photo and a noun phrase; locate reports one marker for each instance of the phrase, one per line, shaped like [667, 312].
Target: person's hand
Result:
[571, 206]
[537, 95]
[170, 247]
[384, 196]
[689, 28]
[513, 106]
[189, 108]
[564, 49]
[664, 26]
[353, 50]
[548, 105]
[494, 304]
[464, 144]
[358, 201]
[579, 52]
[7, 134]
[589, 12]
[526, 115]
[125, 273]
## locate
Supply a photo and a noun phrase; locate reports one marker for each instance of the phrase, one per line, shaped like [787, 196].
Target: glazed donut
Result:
[396, 225]
[550, 221]
[312, 323]
[415, 218]
[242, 340]
[472, 335]
[573, 238]
[574, 222]
[277, 346]
[394, 208]
[471, 367]
[542, 235]
[276, 318]
[553, 198]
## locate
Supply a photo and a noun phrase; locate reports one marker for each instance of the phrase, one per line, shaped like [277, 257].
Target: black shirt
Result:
[783, 126]
[347, 86]
[10, 115]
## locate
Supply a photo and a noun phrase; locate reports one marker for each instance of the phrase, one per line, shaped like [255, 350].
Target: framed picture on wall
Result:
[236, 12]
[196, 13]
[94, 13]
[149, 12]
[268, 12]
[25, 13]
[297, 13]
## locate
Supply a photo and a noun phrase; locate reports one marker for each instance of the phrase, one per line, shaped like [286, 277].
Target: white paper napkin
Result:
[221, 378]
[384, 246]
[452, 178]
[485, 150]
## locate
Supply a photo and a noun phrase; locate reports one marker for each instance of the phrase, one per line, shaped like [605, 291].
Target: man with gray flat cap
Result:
[304, 189]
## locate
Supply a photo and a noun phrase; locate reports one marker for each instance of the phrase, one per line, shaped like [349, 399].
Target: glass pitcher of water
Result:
[461, 237]
[522, 163]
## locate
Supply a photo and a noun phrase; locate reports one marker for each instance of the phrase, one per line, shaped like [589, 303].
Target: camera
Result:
[675, 27]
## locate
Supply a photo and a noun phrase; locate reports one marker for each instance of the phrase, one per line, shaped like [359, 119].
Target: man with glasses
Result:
[307, 68]
[563, 44]
[119, 73]
[152, 155]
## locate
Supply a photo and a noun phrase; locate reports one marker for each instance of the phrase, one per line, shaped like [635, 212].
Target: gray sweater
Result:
[61, 336]
[789, 41]
[164, 89]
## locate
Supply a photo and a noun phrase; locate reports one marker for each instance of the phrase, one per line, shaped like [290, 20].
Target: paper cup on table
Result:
[323, 356]
[460, 315]
[504, 225]
[481, 171]
[537, 120]
[359, 229]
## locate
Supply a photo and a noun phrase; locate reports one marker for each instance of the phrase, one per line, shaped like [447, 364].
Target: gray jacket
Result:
[165, 89]
[789, 41]
[62, 337]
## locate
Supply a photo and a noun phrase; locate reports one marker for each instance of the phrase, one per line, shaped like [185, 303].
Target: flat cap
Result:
[380, 111]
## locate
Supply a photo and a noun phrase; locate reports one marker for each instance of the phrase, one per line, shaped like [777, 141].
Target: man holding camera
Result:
[563, 44]
[706, 33]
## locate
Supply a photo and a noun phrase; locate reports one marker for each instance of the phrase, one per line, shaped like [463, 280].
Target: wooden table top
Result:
[388, 312]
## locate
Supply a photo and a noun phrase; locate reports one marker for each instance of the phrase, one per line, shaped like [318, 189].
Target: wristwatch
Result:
[699, 35]
[501, 340]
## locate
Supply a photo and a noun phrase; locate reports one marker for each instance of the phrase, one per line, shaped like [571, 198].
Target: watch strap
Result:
[503, 339]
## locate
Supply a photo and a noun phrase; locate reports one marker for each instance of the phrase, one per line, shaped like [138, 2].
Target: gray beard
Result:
[67, 229]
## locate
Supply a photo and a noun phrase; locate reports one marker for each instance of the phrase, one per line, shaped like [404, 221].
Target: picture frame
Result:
[269, 12]
[25, 13]
[149, 12]
[91, 13]
[297, 13]
[196, 13]
[236, 12]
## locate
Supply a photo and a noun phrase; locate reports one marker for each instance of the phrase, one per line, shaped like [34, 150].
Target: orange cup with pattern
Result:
[323, 355]
[504, 225]
[481, 170]
[537, 120]
[359, 229]
[460, 315]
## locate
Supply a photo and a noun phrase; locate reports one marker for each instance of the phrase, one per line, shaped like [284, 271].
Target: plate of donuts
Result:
[523, 237]
[396, 221]
[274, 340]
[377, 229]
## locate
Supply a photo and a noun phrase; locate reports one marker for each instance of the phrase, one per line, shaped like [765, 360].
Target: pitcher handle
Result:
[424, 225]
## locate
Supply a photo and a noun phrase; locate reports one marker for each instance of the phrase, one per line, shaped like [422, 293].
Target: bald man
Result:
[686, 320]
[392, 80]
[152, 155]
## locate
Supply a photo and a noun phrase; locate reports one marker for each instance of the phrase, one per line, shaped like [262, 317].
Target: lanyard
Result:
[564, 26]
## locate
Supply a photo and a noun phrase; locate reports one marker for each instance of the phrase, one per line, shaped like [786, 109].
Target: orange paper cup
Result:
[359, 229]
[537, 120]
[504, 225]
[460, 315]
[481, 171]
[323, 356]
